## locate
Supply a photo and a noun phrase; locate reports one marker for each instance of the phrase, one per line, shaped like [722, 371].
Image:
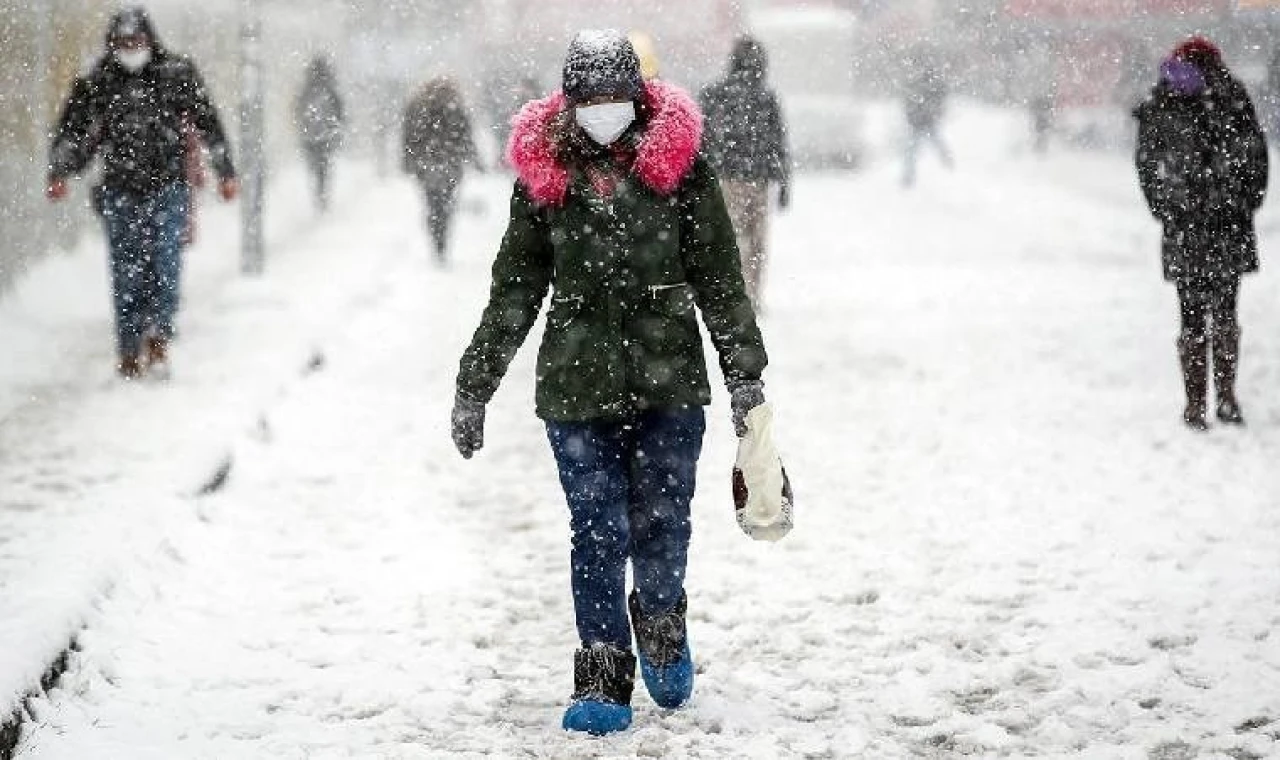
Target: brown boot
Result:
[129, 368]
[1226, 360]
[158, 358]
[157, 350]
[1193, 353]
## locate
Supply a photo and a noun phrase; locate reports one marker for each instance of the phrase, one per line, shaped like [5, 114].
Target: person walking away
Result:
[746, 144]
[1202, 163]
[437, 146]
[319, 116]
[615, 211]
[1042, 110]
[926, 100]
[129, 110]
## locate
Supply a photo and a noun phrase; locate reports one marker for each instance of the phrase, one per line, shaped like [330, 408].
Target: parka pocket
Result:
[674, 300]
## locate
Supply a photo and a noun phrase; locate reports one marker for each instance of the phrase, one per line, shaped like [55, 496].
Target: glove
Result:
[468, 425]
[742, 400]
[784, 195]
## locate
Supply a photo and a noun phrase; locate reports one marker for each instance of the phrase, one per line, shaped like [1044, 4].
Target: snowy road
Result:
[1006, 543]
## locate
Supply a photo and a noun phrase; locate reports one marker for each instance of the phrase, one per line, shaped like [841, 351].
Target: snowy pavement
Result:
[1006, 544]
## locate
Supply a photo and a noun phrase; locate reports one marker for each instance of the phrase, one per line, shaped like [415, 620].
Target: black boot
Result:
[1226, 358]
[665, 660]
[603, 678]
[1193, 353]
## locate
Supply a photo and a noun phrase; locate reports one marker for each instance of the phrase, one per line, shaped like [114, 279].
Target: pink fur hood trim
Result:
[664, 156]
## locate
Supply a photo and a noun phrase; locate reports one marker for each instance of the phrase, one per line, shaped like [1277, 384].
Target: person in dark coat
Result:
[1202, 163]
[746, 144]
[615, 211]
[319, 116]
[925, 103]
[438, 145]
[134, 110]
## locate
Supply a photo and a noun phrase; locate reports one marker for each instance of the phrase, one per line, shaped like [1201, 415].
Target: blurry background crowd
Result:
[1088, 62]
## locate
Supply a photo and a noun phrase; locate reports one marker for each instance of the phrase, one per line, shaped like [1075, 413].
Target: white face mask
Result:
[606, 122]
[134, 60]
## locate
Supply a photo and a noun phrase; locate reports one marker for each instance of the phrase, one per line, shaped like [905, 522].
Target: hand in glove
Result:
[742, 400]
[784, 195]
[468, 425]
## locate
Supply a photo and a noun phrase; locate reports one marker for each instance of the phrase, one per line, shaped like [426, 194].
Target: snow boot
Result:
[129, 368]
[666, 664]
[1193, 354]
[1226, 358]
[603, 679]
[158, 357]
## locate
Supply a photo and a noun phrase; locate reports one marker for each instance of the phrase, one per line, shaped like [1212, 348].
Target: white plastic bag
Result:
[762, 496]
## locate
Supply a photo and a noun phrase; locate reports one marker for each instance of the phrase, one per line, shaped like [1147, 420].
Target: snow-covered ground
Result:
[1006, 543]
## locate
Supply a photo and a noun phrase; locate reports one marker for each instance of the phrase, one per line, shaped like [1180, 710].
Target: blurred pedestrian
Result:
[614, 209]
[647, 50]
[130, 110]
[1270, 109]
[437, 146]
[925, 104]
[1042, 110]
[319, 116]
[746, 144]
[1202, 162]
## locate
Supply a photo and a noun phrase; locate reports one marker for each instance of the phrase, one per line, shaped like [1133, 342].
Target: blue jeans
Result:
[629, 484]
[144, 233]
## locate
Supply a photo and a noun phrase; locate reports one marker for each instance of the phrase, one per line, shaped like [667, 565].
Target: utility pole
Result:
[252, 139]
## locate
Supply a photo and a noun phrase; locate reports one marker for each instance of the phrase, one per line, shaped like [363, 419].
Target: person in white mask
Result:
[137, 111]
[616, 212]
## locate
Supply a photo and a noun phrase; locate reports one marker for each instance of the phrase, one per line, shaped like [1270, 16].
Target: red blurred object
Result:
[1197, 47]
[56, 191]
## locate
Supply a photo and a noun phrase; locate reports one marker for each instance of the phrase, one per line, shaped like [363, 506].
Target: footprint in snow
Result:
[1170, 642]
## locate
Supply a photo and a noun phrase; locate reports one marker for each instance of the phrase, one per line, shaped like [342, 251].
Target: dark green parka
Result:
[629, 272]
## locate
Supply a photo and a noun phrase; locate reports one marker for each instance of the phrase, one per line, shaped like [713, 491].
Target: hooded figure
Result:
[616, 213]
[319, 117]
[746, 143]
[134, 110]
[1202, 164]
[437, 146]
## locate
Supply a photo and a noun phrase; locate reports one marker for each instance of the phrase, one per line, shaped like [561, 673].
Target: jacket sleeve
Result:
[76, 140]
[204, 117]
[521, 278]
[710, 252]
[1254, 160]
[1146, 160]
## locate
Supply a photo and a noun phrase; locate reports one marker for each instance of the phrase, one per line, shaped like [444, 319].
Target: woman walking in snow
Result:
[615, 211]
[1202, 161]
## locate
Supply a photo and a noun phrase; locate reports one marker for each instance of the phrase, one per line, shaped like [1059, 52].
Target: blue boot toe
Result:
[672, 685]
[597, 717]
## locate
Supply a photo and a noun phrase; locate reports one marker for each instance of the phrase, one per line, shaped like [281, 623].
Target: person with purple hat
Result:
[1202, 163]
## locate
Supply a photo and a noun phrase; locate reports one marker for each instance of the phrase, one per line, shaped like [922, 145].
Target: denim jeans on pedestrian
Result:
[144, 233]
[629, 484]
